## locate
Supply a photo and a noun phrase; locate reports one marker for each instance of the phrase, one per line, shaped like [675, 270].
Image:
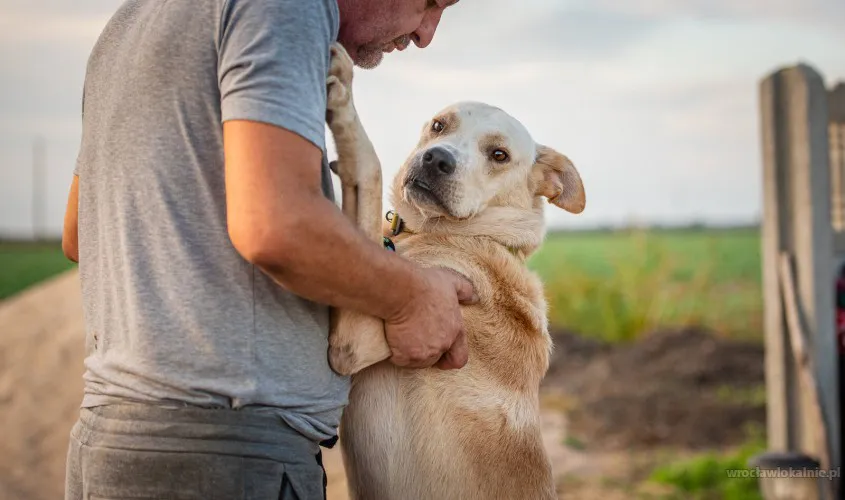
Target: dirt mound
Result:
[41, 351]
[687, 388]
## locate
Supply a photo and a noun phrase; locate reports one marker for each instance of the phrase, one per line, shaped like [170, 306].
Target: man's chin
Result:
[369, 58]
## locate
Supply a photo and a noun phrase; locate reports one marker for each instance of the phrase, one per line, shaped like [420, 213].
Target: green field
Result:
[610, 285]
[24, 264]
[618, 285]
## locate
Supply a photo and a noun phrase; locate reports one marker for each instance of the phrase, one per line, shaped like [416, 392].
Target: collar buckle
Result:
[396, 223]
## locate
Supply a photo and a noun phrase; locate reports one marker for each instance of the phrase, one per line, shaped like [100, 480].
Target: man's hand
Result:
[70, 230]
[429, 329]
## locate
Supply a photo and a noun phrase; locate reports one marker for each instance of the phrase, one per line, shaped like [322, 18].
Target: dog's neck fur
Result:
[517, 229]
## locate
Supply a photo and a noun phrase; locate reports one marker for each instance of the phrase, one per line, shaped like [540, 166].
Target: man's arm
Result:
[70, 231]
[273, 61]
[280, 220]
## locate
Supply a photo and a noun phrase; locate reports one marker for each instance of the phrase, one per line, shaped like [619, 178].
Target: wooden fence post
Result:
[836, 133]
[797, 222]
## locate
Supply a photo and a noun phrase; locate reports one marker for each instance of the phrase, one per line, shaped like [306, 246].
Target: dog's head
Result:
[472, 156]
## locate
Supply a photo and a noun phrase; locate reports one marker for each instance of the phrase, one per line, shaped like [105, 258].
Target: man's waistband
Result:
[192, 429]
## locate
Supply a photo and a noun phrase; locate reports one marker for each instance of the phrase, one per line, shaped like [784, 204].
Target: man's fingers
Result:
[465, 290]
[404, 361]
[445, 362]
[457, 356]
[460, 351]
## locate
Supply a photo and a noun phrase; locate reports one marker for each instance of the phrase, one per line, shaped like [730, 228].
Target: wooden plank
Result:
[836, 103]
[836, 112]
[806, 367]
[809, 159]
[838, 246]
[774, 236]
[836, 135]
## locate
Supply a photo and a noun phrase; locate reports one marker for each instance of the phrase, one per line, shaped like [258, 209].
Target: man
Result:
[210, 247]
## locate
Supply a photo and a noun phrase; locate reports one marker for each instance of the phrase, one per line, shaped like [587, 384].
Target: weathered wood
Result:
[836, 135]
[839, 244]
[774, 238]
[798, 339]
[836, 111]
[836, 103]
[813, 246]
[797, 220]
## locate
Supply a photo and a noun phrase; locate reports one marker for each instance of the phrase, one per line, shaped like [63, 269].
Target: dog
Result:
[470, 198]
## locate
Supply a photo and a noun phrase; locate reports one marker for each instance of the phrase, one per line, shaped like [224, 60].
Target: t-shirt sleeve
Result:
[77, 166]
[273, 59]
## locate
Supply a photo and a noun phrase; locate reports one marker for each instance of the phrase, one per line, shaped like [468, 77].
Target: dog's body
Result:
[466, 434]
[470, 199]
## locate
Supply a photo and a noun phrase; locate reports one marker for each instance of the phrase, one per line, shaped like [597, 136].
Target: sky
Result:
[655, 101]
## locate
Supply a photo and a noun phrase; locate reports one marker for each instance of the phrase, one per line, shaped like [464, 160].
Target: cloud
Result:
[44, 47]
[58, 9]
[22, 28]
[492, 33]
[806, 10]
[487, 35]
[654, 100]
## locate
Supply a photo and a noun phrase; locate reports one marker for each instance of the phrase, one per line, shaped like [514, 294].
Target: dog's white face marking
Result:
[469, 154]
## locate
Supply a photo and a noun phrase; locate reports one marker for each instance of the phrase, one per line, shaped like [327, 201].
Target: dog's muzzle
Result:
[438, 161]
[432, 180]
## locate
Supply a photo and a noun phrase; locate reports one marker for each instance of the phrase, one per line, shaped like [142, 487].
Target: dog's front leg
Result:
[355, 340]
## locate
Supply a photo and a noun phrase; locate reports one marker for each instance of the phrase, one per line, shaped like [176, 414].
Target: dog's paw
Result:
[343, 361]
[339, 83]
[337, 98]
[341, 64]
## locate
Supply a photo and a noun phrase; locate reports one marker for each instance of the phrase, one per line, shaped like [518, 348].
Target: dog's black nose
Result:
[439, 159]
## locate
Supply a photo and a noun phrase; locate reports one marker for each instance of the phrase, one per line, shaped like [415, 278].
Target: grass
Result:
[574, 443]
[705, 477]
[24, 264]
[617, 286]
[742, 396]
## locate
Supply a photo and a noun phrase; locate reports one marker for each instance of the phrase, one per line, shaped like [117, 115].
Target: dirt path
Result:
[41, 352]
[41, 349]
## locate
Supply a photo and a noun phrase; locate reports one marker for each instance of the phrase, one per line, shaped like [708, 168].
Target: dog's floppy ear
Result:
[558, 180]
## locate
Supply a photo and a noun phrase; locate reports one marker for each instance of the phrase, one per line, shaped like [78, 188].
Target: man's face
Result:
[371, 28]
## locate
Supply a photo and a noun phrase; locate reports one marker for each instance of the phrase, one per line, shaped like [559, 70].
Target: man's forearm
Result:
[325, 258]
[280, 220]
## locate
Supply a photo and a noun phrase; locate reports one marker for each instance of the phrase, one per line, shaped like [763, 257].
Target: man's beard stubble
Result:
[370, 57]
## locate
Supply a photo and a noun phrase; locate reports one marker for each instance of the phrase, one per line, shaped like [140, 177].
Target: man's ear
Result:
[558, 180]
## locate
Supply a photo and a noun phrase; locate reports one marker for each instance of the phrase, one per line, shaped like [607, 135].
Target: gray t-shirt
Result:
[173, 313]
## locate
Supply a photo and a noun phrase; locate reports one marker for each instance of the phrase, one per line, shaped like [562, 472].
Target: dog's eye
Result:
[437, 126]
[500, 156]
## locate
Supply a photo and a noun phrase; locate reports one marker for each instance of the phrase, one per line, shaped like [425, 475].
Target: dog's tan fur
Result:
[473, 433]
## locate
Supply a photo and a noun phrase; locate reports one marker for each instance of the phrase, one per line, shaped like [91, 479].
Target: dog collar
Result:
[397, 226]
[389, 245]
